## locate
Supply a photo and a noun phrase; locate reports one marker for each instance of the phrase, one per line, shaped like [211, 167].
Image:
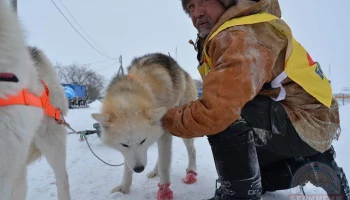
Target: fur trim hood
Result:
[270, 6]
[225, 3]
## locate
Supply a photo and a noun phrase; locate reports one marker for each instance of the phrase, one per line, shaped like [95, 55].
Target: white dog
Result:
[26, 131]
[131, 113]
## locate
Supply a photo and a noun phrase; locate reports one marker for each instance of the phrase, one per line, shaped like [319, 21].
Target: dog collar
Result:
[134, 77]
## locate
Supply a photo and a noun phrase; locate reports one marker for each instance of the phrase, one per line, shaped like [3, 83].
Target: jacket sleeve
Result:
[240, 68]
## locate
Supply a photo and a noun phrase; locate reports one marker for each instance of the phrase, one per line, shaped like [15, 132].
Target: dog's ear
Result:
[157, 114]
[101, 118]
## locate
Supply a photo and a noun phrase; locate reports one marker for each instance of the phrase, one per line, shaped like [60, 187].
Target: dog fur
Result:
[132, 110]
[26, 132]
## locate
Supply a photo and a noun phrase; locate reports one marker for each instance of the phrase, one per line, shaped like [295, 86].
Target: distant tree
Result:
[77, 74]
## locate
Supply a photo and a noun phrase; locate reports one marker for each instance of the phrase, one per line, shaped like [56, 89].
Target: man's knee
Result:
[231, 135]
[257, 112]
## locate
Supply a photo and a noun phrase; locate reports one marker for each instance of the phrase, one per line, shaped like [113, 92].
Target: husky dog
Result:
[50, 138]
[131, 117]
[25, 131]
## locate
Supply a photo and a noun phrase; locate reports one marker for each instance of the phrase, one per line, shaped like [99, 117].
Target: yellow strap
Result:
[251, 19]
[294, 65]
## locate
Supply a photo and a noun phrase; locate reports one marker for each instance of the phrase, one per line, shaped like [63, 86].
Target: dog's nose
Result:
[139, 169]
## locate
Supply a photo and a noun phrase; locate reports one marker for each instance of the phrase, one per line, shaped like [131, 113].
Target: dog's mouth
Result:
[8, 77]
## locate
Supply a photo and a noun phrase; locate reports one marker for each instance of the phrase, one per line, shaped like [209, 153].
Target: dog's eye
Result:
[125, 145]
[143, 141]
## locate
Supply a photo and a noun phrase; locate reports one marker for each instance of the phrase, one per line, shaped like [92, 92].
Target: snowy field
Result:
[90, 179]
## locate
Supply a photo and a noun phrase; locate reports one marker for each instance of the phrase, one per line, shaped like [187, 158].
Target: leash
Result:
[83, 133]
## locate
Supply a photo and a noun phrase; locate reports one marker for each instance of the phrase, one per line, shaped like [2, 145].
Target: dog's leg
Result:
[58, 164]
[13, 151]
[191, 174]
[125, 185]
[164, 164]
[53, 147]
[6, 183]
[19, 190]
[154, 172]
[8, 170]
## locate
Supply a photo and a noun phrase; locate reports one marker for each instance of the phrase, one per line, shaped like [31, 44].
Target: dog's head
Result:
[131, 132]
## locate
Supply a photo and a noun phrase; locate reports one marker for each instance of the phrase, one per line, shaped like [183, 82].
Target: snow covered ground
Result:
[90, 179]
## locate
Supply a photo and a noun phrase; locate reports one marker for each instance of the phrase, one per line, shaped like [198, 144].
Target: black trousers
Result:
[275, 137]
[249, 149]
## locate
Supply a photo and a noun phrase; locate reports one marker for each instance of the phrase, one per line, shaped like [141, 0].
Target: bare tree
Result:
[77, 74]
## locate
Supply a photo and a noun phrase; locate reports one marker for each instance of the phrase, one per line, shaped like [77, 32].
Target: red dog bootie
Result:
[191, 177]
[164, 192]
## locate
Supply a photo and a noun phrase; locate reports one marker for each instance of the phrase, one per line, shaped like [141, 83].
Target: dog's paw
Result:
[191, 177]
[152, 174]
[122, 189]
[164, 192]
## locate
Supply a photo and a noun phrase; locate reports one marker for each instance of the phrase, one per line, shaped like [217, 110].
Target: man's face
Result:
[205, 14]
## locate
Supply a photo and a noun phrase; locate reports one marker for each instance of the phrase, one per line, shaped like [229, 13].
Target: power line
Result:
[97, 62]
[80, 33]
[107, 67]
[80, 26]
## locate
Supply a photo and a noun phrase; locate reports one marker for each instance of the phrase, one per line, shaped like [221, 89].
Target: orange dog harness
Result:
[24, 97]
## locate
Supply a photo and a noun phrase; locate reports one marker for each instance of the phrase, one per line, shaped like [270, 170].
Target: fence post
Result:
[343, 99]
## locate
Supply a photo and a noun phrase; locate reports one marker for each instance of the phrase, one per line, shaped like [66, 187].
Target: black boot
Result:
[321, 170]
[279, 176]
[324, 163]
[276, 177]
[236, 163]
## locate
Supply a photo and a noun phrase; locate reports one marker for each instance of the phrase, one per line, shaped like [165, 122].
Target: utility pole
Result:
[121, 70]
[14, 5]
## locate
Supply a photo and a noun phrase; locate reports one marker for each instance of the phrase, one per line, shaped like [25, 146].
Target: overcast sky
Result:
[133, 28]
